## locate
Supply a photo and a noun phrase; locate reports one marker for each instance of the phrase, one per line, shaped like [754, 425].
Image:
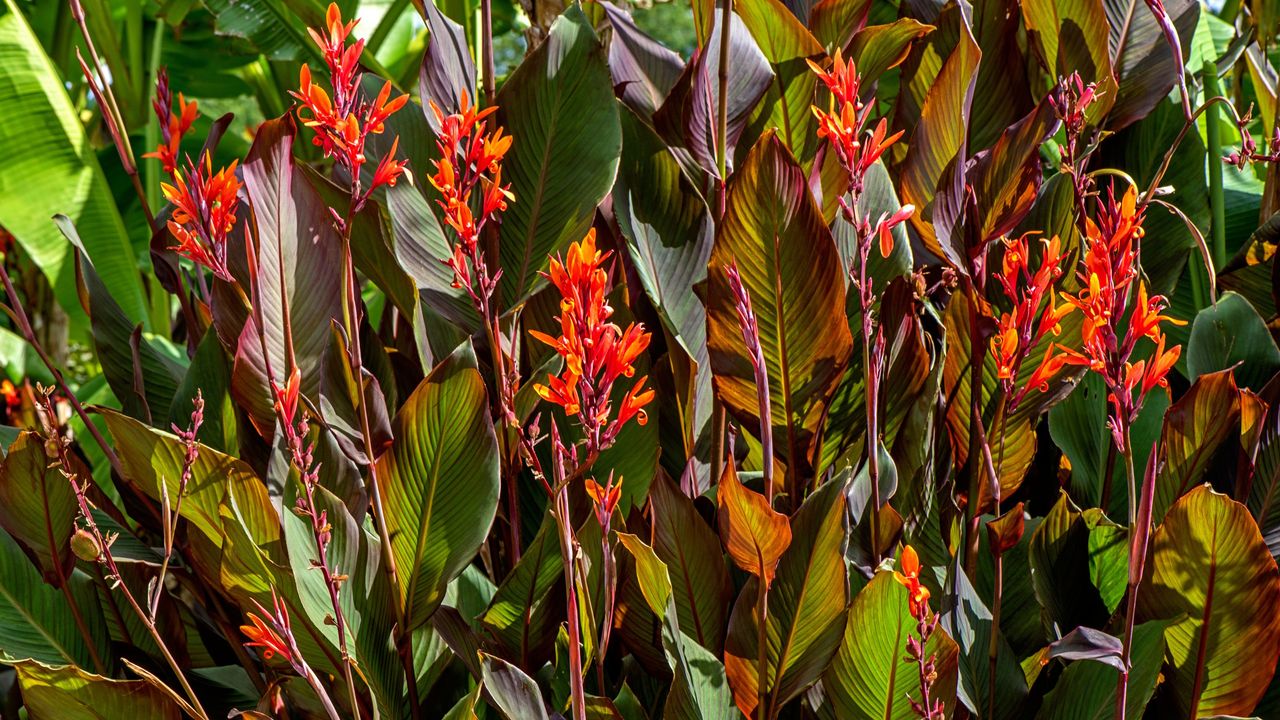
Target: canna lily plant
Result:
[740, 359]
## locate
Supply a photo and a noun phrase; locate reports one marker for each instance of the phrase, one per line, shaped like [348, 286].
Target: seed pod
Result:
[85, 545]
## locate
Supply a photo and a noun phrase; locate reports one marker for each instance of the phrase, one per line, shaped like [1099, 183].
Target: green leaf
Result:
[879, 48]
[1108, 557]
[38, 508]
[1087, 690]
[69, 693]
[939, 137]
[699, 690]
[786, 44]
[143, 371]
[871, 675]
[807, 608]
[1230, 334]
[1072, 36]
[1078, 426]
[39, 621]
[775, 233]
[439, 482]
[669, 233]
[1060, 570]
[522, 615]
[1210, 574]
[52, 168]
[1195, 427]
[968, 621]
[559, 107]
[684, 541]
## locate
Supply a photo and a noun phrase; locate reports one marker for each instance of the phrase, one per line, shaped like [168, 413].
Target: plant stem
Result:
[722, 112]
[872, 383]
[1213, 136]
[486, 51]
[568, 546]
[1122, 689]
[350, 316]
[762, 649]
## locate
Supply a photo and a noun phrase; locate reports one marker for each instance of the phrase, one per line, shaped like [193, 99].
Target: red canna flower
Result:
[846, 116]
[917, 594]
[344, 122]
[596, 352]
[204, 213]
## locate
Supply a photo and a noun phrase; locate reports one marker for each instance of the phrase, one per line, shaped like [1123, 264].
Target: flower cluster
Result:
[604, 498]
[204, 213]
[470, 156]
[846, 116]
[273, 635]
[1071, 100]
[596, 352]
[204, 201]
[1034, 315]
[1107, 275]
[172, 126]
[343, 122]
[926, 622]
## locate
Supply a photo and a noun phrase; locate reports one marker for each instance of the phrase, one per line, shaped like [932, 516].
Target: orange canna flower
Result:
[604, 499]
[172, 126]
[909, 577]
[204, 213]
[344, 121]
[1035, 315]
[263, 635]
[1108, 273]
[596, 352]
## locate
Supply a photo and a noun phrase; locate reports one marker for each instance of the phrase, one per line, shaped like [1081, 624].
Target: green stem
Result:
[1213, 136]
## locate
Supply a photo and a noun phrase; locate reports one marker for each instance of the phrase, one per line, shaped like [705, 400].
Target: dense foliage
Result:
[835, 359]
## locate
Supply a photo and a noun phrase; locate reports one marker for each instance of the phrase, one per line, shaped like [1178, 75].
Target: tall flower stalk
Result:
[928, 707]
[597, 354]
[844, 125]
[1111, 293]
[470, 160]
[95, 547]
[343, 122]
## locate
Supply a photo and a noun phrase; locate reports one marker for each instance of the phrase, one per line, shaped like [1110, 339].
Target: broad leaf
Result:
[754, 534]
[786, 44]
[514, 693]
[1087, 690]
[1210, 574]
[807, 608]
[40, 622]
[872, 676]
[38, 508]
[69, 693]
[643, 69]
[1230, 334]
[1195, 427]
[1072, 36]
[299, 264]
[439, 482]
[1141, 57]
[690, 548]
[559, 107]
[53, 168]
[774, 231]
